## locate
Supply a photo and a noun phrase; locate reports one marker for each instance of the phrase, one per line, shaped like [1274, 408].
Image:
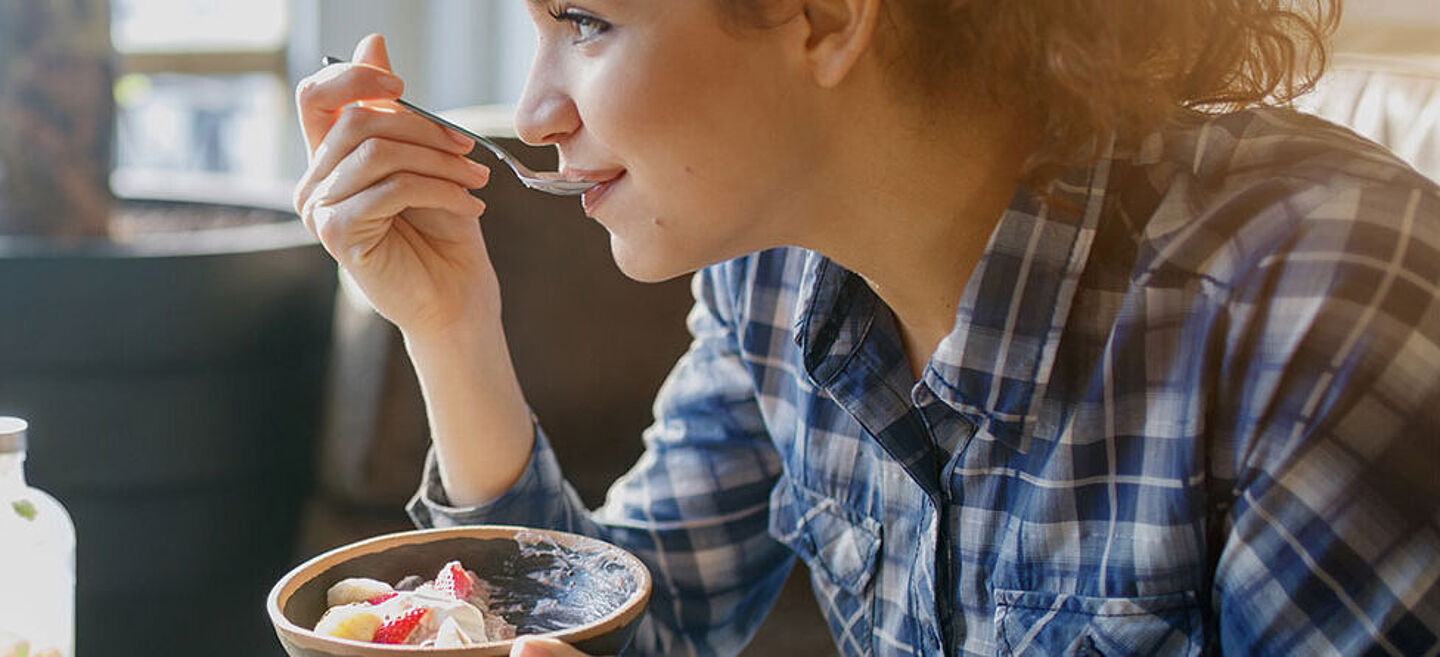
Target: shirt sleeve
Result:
[694, 508]
[1332, 390]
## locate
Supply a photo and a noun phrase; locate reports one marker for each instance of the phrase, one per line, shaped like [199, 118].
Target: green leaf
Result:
[24, 508]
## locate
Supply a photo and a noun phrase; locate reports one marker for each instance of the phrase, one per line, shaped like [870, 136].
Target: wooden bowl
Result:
[594, 593]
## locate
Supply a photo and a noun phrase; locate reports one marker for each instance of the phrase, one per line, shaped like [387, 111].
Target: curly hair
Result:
[1087, 70]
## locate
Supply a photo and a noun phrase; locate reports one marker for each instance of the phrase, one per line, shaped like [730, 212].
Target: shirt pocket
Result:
[841, 547]
[1061, 624]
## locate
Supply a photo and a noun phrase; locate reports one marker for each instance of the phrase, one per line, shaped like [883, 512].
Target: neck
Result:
[12, 470]
[917, 207]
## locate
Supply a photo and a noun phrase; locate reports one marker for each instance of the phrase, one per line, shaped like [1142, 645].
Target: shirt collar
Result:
[997, 361]
[994, 366]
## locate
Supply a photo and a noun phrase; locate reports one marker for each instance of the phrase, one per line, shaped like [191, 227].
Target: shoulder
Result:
[1226, 197]
[1247, 147]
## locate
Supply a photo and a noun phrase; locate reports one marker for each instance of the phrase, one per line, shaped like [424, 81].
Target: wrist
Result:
[479, 422]
[453, 342]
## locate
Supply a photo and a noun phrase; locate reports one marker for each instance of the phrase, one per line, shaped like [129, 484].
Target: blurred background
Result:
[204, 397]
[206, 86]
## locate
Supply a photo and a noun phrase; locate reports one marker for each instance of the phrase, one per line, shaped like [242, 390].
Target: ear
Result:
[840, 32]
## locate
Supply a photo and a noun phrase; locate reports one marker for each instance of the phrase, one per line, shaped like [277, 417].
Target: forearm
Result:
[479, 421]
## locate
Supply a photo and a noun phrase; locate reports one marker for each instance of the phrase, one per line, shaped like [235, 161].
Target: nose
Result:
[545, 114]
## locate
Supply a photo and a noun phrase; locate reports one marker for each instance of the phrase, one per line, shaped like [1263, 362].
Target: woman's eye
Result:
[585, 26]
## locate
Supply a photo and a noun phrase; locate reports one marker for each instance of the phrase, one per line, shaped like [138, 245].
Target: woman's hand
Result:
[387, 194]
[532, 646]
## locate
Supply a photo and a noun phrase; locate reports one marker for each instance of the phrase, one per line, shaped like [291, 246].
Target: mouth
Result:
[604, 182]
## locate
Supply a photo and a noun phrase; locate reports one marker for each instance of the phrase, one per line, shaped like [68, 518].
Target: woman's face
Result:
[697, 127]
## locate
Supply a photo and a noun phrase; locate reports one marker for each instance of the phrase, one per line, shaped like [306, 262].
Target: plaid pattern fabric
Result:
[1191, 404]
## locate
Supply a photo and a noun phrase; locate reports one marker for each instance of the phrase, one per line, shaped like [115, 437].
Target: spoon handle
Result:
[490, 146]
[443, 122]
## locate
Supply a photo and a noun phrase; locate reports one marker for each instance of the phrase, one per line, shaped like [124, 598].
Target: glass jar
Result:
[37, 560]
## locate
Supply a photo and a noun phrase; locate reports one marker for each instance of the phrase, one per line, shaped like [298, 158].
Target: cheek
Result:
[692, 128]
[675, 100]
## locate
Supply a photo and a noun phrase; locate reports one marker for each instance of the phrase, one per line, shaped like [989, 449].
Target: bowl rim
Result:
[287, 585]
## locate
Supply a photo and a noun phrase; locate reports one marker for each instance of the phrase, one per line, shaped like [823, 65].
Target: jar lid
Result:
[12, 434]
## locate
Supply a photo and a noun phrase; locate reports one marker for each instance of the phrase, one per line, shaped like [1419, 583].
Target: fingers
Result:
[371, 50]
[534, 646]
[377, 159]
[369, 164]
[384, 142]
[350, 228]
[321, 97]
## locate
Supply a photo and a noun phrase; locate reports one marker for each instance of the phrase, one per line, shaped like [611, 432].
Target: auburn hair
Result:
[1089, 70]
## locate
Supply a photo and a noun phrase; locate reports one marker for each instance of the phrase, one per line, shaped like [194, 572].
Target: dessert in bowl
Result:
[579, 590]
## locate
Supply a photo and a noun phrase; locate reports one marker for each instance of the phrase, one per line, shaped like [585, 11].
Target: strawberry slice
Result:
[380, 598]
[399, 628]
[454, 581]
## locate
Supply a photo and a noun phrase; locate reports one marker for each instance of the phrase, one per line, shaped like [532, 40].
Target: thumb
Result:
[534, 646]
[371, 50]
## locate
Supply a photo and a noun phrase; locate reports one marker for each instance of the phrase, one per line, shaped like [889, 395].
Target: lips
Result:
[604, 183]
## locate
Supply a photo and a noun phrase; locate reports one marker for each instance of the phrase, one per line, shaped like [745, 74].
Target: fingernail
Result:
[460, 139]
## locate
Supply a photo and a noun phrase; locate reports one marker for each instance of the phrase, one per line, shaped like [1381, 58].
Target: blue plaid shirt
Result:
[1189, 405]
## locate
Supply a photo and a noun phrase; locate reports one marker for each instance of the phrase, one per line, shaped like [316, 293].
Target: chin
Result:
[647, 265]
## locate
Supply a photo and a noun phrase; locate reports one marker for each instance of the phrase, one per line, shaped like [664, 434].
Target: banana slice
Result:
[353, 622]
[356, 589]
[451, 636]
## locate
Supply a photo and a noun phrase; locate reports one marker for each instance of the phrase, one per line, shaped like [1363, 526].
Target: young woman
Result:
[1018, 348]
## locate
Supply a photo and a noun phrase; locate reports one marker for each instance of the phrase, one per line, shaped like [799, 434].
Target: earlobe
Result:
[840, 33]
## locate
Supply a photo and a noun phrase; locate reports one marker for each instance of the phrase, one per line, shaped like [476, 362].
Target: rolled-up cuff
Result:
[528, 502]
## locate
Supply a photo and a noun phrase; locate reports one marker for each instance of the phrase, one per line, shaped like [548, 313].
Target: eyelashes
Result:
[585, 26]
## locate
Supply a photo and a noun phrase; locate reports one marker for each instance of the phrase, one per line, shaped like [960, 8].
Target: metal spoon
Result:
[549, 182]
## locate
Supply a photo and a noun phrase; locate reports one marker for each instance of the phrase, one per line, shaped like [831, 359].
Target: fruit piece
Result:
[466, 617]
[410, 583]
[399, 628]
[451, 636]
[356, 589]
[349, 622]
[380, 599]
[454, 581]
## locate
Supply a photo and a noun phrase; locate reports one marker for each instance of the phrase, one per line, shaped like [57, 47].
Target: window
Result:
[202, 89]
[205, 91]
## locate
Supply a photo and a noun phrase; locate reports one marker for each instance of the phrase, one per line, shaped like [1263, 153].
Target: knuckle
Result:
[308, 221]
[396, 183]
[298, 198]
[371, 150]
[352, 118]
[304, 188]
[306, 90]
[328, 227]
[363, 120]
